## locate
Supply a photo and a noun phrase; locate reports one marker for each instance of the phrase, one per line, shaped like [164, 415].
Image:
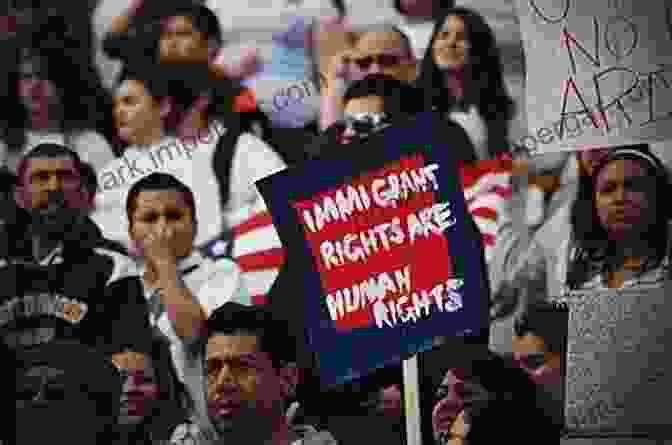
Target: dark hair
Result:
[189, 81]
[272, 332]
[589, 235]
[203, 20]
[514, 398]
[398, 97]
[47, 150]
[438, 6]
[147, 73]
[543, 319]
[162, 182]
[484, 84]
[146, 28]
[175, 401]
[86, 103]
[89, 178]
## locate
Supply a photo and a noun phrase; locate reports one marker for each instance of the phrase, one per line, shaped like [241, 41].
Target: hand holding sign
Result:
[391, 261]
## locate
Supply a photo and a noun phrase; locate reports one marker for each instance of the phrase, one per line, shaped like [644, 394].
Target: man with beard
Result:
[59, 281]
[252, 373]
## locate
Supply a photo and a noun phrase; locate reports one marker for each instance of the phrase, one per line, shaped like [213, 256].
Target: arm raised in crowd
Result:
[184, 311]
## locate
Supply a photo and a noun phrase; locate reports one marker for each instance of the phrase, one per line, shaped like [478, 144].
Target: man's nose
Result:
[54, 184]
[119, 113]
[619, 194]
[224, 383]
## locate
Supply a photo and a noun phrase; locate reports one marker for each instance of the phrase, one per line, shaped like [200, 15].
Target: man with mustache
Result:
[60, 280]
[251, 374]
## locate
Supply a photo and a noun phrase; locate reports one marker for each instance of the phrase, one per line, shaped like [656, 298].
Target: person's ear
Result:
[289, 377]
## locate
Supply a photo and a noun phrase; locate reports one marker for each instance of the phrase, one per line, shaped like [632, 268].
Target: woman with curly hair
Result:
[461, 76]
[53, 95]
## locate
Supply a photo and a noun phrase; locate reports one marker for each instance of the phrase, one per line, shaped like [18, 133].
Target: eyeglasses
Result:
[365, 123]
[383, 60]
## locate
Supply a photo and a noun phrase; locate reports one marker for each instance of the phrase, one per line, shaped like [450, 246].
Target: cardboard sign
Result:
[392, 256]
[618, 366]
[599, 73]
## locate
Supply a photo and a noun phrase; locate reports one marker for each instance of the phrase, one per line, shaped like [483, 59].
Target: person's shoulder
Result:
[123, 266]
[258, 155]
[190, 433]
[309, 435]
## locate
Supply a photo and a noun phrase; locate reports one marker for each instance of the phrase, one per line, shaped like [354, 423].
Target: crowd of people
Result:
[145, 287]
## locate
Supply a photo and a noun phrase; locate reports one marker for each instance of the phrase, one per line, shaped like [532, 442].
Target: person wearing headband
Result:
[619, 228]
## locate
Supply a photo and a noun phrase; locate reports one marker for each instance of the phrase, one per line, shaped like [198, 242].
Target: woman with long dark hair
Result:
[461, 75]
[619, 223]
[53, 95]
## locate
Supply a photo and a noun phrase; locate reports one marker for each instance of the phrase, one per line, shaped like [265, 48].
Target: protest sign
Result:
[599, 73]
[617, 366]
[390, 256]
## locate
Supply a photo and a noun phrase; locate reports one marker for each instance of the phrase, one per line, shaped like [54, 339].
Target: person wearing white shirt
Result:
[462, 77]
[53, 97]
[181, 286]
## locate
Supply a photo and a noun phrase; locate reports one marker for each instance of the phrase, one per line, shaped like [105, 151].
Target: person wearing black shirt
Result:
[60, 281]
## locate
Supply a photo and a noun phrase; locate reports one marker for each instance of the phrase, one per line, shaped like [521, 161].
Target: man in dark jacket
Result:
[60, 282]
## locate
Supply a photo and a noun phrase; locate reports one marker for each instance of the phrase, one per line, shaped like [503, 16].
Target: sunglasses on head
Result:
[383, 60]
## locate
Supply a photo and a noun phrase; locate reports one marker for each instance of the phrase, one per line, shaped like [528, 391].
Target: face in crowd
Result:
[455, 397]
[362, 117]
[625, 197]
[384, 52]
[246, 392]
[165, 214]
[51, 189]
[450, 48]
[531, 353]
[140, 391]
[180, 41]
[44, 176]
[138, 116]
[38, 94]
[590, 159]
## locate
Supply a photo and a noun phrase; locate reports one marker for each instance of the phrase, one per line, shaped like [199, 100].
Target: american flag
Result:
[257, 250]
[487, 188]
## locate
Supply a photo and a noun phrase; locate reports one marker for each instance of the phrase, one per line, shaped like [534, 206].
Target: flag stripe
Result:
[255, 222]
[261, 260]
